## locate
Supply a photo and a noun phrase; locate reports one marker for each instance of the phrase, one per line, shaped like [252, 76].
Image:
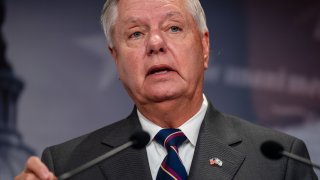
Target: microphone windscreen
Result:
[271, 149]
[140, 139]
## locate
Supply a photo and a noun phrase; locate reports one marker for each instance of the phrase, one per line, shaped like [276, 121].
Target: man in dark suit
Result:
[161, 50]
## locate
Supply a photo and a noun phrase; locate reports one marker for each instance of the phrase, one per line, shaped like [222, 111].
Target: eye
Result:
[175, 29]
[135, 35]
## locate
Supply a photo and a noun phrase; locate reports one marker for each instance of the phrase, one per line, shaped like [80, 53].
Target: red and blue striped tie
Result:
[171, 167]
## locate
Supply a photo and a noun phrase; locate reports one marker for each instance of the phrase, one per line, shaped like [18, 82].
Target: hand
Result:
[35, 170]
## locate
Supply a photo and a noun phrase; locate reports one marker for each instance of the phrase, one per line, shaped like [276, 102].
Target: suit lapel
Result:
[130, 163]
[216, 140]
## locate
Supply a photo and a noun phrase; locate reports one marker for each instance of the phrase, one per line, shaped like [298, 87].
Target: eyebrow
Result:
[132, 20]
[173, 13]
[166, 16]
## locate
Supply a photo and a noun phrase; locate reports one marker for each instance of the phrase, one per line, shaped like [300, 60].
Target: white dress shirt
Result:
[156, 152]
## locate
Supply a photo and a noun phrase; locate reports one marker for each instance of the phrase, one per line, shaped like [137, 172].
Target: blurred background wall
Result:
[265, 61]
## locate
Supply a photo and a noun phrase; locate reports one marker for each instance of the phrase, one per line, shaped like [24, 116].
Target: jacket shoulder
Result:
[72, 153]
[253, 133]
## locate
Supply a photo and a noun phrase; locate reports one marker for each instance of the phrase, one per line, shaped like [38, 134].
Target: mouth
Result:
[159, 69]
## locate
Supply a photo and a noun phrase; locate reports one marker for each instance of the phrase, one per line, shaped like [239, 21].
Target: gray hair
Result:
[110, 13]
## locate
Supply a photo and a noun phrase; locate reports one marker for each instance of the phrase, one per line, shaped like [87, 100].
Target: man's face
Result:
[159, 52]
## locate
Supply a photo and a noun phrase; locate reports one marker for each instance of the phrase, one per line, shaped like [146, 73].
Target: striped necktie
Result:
[171, 167]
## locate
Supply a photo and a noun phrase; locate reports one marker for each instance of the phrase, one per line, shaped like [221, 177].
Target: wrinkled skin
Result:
[161, 57]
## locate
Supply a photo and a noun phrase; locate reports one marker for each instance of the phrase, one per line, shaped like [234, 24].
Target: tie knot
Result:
[170, 137]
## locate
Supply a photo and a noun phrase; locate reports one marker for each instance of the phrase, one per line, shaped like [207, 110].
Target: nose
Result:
[156, 44]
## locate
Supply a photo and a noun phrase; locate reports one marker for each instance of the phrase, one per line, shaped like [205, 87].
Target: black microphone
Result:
[138, 141]
[274, 150]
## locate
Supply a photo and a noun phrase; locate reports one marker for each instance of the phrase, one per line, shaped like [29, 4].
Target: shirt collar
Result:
[190, 128]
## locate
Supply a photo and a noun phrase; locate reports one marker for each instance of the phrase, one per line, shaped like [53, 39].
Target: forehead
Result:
[131, 9]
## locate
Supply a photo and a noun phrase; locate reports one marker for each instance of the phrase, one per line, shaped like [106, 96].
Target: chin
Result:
[164, 92]
[164, 96]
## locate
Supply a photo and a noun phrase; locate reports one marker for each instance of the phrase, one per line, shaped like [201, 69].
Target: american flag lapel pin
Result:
[215, 161]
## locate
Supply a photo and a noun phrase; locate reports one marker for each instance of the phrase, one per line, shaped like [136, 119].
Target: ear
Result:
[206, 48]
[113, 53]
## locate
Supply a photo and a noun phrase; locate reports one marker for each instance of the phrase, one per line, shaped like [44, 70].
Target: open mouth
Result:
[159, 70]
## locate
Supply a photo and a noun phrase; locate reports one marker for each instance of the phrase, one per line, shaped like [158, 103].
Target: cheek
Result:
[190, 61]
[129, 65]
[188, 52]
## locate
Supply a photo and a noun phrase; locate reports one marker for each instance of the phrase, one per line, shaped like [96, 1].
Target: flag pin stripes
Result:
[215, 161]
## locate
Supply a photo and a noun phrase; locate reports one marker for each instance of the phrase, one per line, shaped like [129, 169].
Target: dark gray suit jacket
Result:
[234, 141]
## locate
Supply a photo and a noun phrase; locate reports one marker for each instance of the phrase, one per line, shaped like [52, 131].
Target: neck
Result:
[171, 113]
